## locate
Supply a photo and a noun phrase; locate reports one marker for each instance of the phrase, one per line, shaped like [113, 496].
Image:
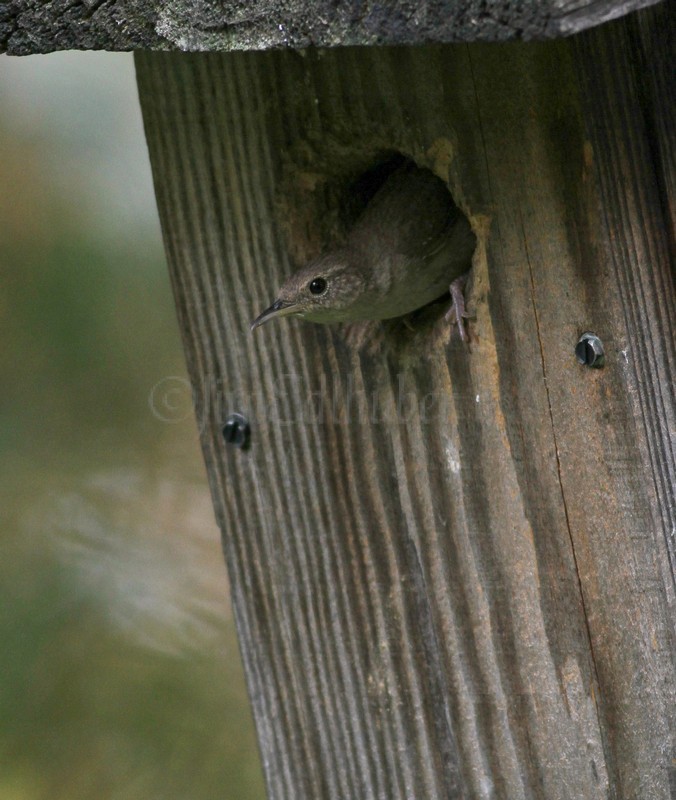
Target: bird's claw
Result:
[457, 312]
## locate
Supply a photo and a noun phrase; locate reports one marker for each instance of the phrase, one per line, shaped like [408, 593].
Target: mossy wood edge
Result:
[452, 572]
[193, 25]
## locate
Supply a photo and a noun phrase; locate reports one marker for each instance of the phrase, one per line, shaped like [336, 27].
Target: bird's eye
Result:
[317, 286]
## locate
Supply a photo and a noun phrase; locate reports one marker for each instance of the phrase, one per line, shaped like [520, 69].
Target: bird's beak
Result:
[278, 309]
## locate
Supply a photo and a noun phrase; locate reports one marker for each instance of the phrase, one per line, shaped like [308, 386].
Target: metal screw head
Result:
[589, 350]
[237, 431]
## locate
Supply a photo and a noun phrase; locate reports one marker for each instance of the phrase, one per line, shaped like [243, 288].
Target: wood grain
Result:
[449, 570]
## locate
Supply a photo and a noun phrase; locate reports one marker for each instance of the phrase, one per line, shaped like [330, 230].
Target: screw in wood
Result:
[237, 431]
[589, 350]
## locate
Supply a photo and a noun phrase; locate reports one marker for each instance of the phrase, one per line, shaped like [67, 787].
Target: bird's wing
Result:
[412, 215]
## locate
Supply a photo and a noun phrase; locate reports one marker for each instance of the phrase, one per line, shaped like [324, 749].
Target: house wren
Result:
[409, 246]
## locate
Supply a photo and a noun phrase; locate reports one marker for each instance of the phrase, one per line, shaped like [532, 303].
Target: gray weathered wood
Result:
[450, 570]
[30, 27]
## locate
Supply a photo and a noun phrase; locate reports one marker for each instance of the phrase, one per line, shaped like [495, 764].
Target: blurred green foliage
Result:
[87, 323]
[85, 713]
[94, 703]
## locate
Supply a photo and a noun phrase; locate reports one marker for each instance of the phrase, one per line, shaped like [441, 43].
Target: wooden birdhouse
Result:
[452, 567]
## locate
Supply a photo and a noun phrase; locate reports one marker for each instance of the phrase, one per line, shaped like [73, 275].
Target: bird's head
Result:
[326, 290]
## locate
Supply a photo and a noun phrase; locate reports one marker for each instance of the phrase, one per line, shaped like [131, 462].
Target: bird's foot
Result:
[407, 322]
[456, 314]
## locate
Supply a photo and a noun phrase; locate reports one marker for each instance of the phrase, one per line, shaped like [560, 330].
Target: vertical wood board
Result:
[448, 568]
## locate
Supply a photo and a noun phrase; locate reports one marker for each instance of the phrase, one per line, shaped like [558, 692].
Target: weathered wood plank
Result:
[192, 25]
[449, 570]
[632, 159]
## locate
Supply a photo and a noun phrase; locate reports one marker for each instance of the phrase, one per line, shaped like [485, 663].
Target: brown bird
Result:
[410, 246]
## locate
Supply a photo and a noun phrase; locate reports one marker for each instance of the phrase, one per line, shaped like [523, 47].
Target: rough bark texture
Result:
[27, 26]
[451, 571]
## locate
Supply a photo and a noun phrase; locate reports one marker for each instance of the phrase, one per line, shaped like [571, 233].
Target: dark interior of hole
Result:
[359, 191]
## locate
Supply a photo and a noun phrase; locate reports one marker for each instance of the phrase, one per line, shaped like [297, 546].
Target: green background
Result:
[119, 670]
